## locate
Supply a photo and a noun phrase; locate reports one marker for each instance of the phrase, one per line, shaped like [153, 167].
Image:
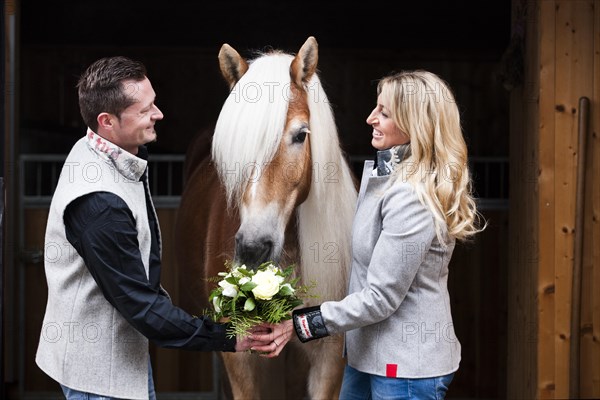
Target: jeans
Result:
[362, 386]
[71, 394]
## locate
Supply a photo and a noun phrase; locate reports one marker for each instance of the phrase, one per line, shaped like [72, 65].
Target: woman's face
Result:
[386, 133]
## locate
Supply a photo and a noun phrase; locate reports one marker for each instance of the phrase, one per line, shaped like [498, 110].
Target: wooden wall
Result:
[562, 64]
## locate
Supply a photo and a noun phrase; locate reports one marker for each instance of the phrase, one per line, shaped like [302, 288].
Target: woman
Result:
[412, 207]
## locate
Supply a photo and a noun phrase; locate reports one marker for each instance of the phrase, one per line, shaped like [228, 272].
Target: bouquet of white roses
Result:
[245, 297]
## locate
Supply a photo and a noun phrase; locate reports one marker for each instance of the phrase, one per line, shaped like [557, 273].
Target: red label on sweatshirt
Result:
[391, 370]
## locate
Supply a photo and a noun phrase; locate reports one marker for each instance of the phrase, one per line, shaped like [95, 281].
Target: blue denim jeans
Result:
[362, 386]
[71, 394]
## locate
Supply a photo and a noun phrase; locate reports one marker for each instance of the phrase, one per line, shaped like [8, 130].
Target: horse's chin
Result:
[252, 255]
[254, 263]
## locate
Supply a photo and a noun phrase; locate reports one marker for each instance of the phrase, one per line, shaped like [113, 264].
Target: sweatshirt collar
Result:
[128, 165]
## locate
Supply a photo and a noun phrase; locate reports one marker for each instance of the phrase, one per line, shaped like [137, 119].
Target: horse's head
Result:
[262, 145]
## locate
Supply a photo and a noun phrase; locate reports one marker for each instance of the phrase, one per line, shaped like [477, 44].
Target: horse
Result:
[275, 186]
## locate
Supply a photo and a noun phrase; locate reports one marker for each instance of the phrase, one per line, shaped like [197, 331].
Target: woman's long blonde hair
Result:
[423, 106]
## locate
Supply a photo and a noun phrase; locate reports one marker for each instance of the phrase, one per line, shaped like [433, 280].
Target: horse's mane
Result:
[325, 217]
[242, 140]
[247, 132]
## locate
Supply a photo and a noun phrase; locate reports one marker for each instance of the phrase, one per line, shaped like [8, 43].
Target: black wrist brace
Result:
[308, 323]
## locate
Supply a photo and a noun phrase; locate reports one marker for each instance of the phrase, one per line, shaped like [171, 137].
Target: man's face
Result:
[136, 125]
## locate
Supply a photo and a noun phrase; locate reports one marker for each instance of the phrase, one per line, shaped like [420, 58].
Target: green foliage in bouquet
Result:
[245, 298]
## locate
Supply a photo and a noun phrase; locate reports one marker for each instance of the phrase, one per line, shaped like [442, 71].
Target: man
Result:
[102, 258]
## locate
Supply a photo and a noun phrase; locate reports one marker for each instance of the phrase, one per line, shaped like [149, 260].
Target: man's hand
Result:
[249, 342]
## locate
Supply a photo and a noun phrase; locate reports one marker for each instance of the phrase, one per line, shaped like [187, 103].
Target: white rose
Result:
[267, 285]
[229, 290]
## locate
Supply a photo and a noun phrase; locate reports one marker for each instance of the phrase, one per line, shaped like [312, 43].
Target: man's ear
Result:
[105, 121]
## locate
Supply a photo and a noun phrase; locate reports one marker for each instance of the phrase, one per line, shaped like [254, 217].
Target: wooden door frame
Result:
[561, 65]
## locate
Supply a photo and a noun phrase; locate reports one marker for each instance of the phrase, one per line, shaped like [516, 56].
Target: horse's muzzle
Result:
[252, 252]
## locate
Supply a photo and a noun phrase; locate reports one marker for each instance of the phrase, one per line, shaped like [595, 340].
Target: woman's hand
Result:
[276, 336]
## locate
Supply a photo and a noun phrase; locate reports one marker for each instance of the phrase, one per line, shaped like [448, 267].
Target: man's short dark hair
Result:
[101, 87]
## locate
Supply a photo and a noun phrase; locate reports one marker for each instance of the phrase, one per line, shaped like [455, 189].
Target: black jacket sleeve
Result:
[101, 227]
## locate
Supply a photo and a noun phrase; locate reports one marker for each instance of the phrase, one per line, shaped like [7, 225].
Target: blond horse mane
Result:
[247, 135]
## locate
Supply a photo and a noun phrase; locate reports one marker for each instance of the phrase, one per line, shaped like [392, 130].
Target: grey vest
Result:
[85, 343]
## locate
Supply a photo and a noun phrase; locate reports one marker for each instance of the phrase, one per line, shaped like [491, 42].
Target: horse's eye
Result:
[299, 137]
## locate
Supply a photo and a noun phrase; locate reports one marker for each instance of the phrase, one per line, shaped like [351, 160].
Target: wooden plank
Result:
[546, 206]
[574, 52]
[178, 370]
[570, 19]
[166, 361]
[35, 300]
[522, 274]
[591, 387]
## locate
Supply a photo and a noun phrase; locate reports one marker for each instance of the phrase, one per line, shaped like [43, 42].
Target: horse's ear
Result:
[232, 65]
[304, 64]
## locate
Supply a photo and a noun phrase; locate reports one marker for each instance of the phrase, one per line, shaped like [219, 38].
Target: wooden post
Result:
[574, 354]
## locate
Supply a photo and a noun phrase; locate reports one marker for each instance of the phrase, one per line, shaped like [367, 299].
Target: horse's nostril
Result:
[269, 245]
[239, 237]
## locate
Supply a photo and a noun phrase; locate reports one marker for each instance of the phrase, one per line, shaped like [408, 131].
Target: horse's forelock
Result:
[248, 131]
